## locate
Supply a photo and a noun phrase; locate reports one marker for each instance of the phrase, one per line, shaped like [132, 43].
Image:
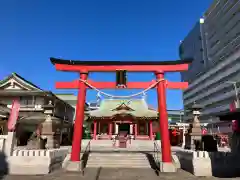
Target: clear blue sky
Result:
[32, 31]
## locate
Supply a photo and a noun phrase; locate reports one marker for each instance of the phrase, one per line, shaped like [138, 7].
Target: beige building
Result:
[37, 105]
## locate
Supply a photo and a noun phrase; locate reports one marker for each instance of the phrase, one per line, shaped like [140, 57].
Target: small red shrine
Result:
[121, 67]
[114, 116]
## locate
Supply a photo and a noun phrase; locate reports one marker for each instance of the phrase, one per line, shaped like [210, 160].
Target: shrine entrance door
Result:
[124, 127]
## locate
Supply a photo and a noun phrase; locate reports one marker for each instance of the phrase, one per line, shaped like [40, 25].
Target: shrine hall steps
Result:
[118, 160]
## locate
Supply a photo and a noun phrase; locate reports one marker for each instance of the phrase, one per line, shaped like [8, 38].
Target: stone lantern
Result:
[194, 132]
[51, 127]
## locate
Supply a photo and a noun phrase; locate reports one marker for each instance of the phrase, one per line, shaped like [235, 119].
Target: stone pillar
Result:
[78, 124]
[9, 143]
[51, 129]
[116, 128]
[166, 165]
[196, 132]
[131, 129]
[94, 129]
[150, 130]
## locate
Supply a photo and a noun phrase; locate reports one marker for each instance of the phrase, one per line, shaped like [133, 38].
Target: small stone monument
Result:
[194, 135]
[51, 128]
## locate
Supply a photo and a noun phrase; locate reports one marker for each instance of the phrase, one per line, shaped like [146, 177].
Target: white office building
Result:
[214, 44]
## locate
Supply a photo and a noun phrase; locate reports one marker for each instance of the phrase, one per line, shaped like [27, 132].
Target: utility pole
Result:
[236, 91]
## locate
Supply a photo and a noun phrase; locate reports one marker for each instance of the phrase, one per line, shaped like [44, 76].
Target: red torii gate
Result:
[85, 67]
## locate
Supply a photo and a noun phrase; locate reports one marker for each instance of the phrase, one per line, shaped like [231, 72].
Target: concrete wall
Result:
[36, 161]
[202, 163]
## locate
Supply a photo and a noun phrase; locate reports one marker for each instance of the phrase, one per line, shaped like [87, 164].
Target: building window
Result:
[27, 100]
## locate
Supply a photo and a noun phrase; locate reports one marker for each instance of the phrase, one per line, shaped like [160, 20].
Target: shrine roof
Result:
[137, 108]
[110, 63]
[22, 81]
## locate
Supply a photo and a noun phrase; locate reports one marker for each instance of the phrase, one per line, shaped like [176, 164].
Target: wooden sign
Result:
[13, 115]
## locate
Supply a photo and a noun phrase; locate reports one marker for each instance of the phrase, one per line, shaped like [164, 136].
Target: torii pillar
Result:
[166, 164]
[75, 163]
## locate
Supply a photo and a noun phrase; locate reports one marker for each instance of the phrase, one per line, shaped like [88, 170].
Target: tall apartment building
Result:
[214, 44]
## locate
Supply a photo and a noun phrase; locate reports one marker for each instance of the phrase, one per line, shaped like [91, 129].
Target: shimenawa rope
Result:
[129, 96]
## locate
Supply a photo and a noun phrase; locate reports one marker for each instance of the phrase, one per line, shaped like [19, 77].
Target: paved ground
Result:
[114, 174]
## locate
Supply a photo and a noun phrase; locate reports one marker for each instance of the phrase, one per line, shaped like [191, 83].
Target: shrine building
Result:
[114, 116]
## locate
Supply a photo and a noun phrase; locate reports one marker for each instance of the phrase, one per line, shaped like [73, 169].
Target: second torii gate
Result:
[159, 68]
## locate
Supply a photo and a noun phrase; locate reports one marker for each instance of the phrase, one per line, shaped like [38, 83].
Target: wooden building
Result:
[33, 101]
[4, 114]
[117, 115]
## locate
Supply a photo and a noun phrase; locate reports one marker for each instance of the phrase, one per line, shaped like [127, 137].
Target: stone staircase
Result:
[118, 160]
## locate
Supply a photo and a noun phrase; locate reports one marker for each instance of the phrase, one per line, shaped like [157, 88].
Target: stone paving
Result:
[113, 174]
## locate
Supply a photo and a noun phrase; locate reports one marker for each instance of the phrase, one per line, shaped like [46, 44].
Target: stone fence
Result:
[36, 161]
[28, 161]
[39, 153]
[202, 163]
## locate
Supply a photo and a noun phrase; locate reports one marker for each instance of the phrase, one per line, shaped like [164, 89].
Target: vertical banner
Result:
[13, 115]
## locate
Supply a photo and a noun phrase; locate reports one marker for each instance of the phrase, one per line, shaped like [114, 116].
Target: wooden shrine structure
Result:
[116, 115]
[121, 67]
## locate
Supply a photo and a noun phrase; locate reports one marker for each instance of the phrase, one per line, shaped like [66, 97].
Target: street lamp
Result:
[236, 90]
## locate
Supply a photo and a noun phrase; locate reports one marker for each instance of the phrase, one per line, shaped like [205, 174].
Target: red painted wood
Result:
[135, 130]
[112, 85]
[113, 68]
[78, 125]
[163, 119]
[150, 130]
[110, 127]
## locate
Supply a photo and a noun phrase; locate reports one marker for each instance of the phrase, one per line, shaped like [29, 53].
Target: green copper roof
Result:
[135, 107]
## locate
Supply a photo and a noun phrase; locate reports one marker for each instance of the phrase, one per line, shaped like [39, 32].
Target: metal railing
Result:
[85, 156]
[156, 153]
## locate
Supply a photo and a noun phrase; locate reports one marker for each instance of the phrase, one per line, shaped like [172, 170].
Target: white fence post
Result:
[9, 143]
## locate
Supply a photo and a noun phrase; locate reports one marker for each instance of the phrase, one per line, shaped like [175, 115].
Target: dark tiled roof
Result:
[106, 63]
[18, 77]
